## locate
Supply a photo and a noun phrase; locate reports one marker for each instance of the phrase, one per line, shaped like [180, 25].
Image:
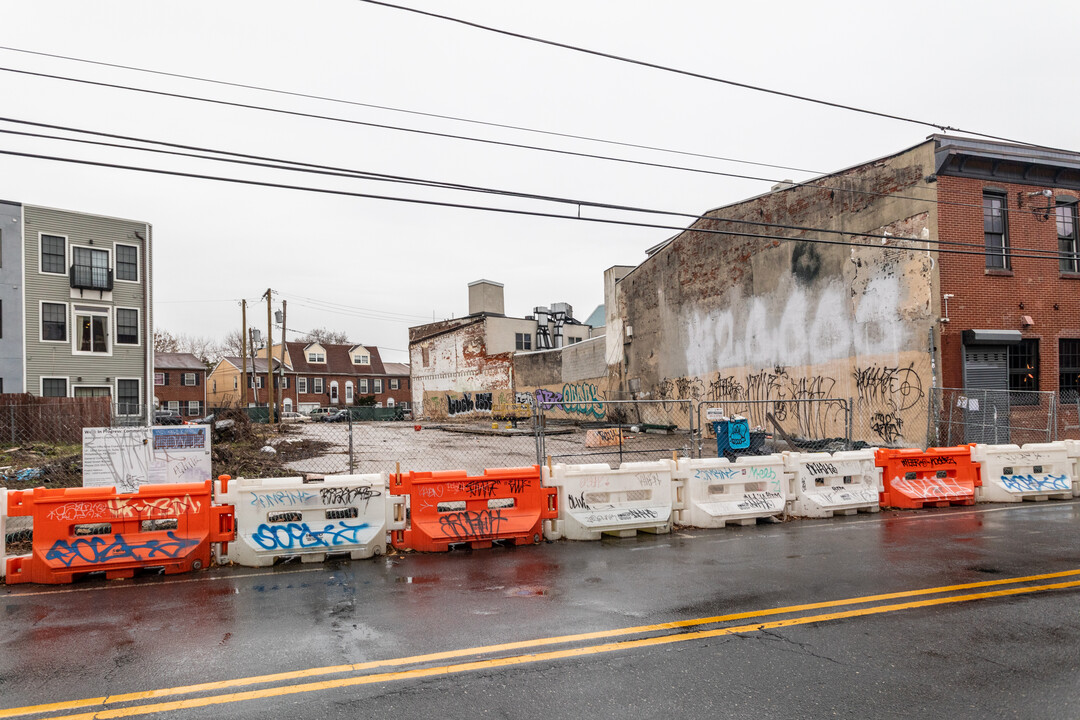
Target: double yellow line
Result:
[280, 685]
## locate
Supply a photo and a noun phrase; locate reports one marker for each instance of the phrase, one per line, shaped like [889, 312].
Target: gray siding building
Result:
[75, 306]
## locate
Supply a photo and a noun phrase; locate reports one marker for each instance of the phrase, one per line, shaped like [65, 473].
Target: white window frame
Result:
[301, 385]
[138, 265]
[316, 357]
[160, 375]
[377, 386]
[108, 263]
[93, 311]
[138, 328]
[363, 386]
[348, 392]
[390, 402]
[116, 395]
[41, 321]
[184, 379]
[317, 385]
[359, 359]
[236, 382]
[395, 384]
[198, 407]
[67, 254]
[174, 406]
[43, 378]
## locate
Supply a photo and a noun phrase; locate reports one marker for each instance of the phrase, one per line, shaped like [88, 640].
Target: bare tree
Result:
[232, 345]
[201, 347]
[326, 336]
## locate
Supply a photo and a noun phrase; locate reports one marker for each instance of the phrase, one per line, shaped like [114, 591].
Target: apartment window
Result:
[361, 359]
[394, 384]
[54, 387]
[235, 382]
[1069, 369]
[127, 326]
[378, 385]
[317, 385]
[316, 357]
[1024, 372]
[363, 386]
[348, 393]
[523, 341]
[301, 385]
[174, 406]
[190, 379]
[995, 231]
[127, 397]
[91, 330]
[54, 321]
[90, 269]
[258, 381]
[214, 386]
[159, 378]
[573, 340]
[53, 254]
[194, 407]
[127, 263]
[1066, 232]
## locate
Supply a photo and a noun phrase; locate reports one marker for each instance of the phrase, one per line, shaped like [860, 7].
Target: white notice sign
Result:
[127, 457]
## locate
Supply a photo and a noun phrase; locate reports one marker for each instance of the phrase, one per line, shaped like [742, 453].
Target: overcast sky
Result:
[373, 267]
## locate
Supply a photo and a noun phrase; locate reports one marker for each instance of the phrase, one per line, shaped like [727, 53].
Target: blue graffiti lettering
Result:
[103, 549]
[1030, 483]
[281, 498]
[287, 536]
[717, 474]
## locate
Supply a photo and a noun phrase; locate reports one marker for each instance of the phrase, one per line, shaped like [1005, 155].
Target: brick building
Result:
[180, 383]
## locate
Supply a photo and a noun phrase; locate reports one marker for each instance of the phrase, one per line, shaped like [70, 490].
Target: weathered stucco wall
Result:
[736, 316]
[452, 374]
[574, 378]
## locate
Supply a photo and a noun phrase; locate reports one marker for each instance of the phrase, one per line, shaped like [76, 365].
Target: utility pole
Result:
[255, 338]
[270, 357]
[243, 354]
[281, 372]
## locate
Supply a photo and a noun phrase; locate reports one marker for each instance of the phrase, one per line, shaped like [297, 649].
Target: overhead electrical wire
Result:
[330, 171]
[700, 76]
[533, 213]
[419, 113]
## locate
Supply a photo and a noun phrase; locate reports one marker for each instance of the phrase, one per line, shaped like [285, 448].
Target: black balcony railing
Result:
[89, 277]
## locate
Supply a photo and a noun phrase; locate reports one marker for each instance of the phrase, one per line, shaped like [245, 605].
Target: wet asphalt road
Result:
[1012, 656]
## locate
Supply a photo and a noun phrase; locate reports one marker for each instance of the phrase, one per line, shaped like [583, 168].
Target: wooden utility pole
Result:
[269, 357]
[281, 372]
[243, 354]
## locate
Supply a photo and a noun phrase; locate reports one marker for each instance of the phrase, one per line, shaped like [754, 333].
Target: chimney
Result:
[486, 296]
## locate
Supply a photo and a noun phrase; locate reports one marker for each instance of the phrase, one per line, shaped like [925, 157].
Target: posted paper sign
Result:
[127, 457]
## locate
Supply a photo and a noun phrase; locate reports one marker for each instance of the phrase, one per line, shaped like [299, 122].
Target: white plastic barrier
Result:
[1011, 473]
[842, 483]
[594, 499]
[1072, 449]
[279, 517]
[719, 491]
[3, 532]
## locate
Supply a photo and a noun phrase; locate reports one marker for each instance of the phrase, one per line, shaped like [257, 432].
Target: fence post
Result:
[352, 463]
[850, 412]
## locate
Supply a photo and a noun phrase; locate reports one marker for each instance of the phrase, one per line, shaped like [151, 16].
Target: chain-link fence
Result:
[807, 425]
[993, 417]
[614, 431]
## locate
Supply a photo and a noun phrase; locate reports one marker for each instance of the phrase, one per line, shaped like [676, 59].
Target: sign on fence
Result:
[127, 457]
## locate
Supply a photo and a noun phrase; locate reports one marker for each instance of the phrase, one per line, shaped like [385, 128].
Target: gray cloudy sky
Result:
[371, 267]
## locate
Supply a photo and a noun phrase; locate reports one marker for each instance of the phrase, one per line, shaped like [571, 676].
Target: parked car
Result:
[338, 416]
[294, 417]
[208, 420]
[167, 417]
[319, 414]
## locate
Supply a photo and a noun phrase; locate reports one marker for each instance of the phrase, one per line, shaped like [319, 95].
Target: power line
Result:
[379, 177]
[309, 96]
[349, 307]
[533, 213]
[700, 76]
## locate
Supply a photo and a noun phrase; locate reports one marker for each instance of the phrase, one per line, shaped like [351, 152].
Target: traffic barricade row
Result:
[310, 518]
[595, 500]
[1013, 473]
[451, 508]
[86, 530]
[1072, 449]
[720, 491]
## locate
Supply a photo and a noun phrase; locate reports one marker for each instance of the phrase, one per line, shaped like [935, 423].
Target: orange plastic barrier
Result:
[82, 530]
[935, 477]
[449, 508]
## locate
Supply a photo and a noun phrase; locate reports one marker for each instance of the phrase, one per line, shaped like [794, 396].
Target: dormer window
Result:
[316, 356]
[361, 359]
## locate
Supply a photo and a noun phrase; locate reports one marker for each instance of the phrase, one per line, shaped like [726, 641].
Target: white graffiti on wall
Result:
[729, 338]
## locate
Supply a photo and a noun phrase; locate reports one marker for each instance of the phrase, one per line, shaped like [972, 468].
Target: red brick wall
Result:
[175, 390]
[995, 300]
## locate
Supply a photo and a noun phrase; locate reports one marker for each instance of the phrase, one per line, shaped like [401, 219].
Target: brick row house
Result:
[180, 383]
[315, 375]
